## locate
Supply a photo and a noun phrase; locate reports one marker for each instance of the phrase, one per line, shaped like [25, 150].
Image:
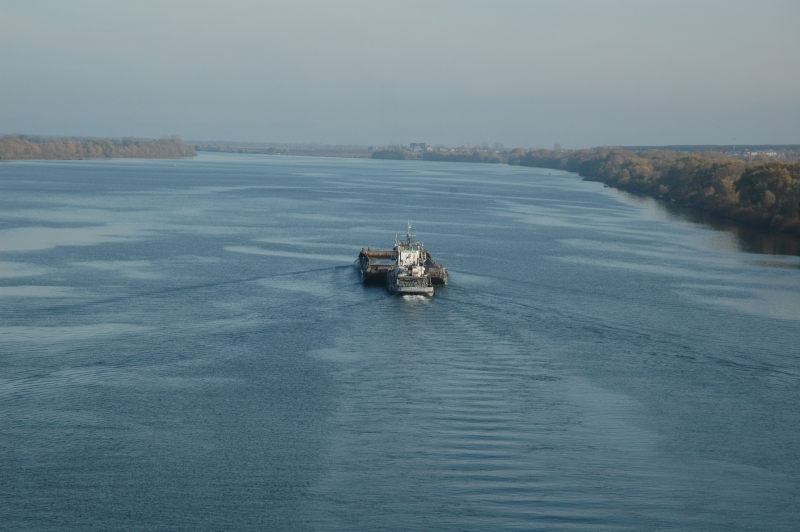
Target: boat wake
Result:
[416, 298]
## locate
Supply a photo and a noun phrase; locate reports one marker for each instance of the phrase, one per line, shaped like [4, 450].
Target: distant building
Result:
[418, 146]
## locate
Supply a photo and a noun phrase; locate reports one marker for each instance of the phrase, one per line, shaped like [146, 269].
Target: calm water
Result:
[186, 345]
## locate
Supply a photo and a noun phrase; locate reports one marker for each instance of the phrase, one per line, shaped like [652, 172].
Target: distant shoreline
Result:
[29, 147]
[304, 151]
[757, 191]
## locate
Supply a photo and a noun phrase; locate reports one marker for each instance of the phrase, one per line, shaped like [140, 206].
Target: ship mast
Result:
[408, 233]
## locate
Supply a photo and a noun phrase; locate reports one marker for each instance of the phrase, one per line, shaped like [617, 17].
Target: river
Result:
[186, 345]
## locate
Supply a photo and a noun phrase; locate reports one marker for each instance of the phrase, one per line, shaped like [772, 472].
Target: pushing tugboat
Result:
[407, 269]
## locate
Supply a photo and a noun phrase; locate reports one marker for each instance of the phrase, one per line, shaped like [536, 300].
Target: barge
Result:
[406, 269]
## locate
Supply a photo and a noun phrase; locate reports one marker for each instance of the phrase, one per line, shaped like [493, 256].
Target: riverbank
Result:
[301, 150]
[761, 194]
[20, 147]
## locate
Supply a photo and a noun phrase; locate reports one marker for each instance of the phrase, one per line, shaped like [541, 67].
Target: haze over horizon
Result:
[578, 73]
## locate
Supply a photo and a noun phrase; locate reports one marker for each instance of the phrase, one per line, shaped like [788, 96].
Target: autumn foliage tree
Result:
[770, 194]
[761, 193]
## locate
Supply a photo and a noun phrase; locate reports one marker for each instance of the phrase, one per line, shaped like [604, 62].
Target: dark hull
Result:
[374, 265]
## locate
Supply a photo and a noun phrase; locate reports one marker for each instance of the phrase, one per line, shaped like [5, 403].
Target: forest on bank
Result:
[35, 147]
[759, 192]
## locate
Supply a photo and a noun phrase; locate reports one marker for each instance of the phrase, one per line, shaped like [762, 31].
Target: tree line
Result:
[34, 147]
[762, 193]
[458, 155]
[397, 154]
[269, 150]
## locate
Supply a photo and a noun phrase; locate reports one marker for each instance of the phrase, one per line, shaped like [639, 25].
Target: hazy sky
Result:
[524, 73]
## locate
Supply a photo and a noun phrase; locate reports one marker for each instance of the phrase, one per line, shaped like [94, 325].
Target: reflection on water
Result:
[779, 265]
[749, 239]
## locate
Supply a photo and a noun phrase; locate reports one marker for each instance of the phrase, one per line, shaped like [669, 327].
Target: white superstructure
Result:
[409, 276]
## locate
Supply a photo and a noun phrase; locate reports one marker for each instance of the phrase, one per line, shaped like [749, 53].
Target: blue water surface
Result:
[186, 345]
